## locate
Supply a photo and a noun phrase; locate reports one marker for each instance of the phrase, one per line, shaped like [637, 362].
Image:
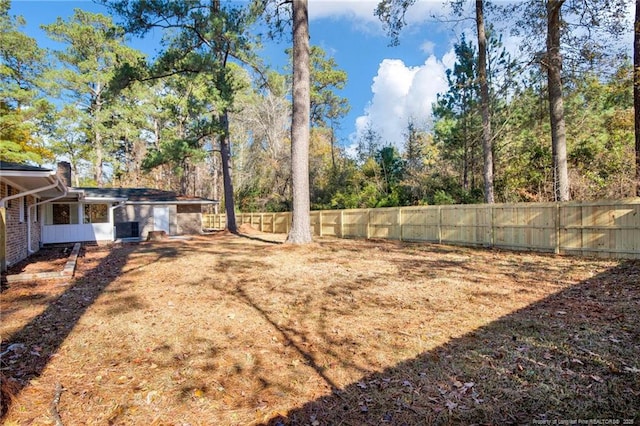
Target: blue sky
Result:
[386, 86]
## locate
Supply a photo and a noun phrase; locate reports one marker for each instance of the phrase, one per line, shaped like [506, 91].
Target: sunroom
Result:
[82, 220]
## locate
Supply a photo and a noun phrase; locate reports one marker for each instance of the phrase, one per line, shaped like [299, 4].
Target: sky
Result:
[386, 85]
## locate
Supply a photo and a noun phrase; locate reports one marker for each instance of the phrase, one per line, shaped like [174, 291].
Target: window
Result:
[61, 214]
[96, 213]
[22, 209]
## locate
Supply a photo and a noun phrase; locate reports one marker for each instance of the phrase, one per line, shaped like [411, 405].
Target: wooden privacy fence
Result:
[605, 229]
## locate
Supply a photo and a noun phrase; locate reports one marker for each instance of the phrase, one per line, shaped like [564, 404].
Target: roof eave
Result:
[26, 173]
[103, 199]
[174, 202]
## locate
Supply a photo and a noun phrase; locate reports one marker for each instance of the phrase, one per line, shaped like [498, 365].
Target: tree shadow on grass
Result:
[570, 357]
[27, 352]
[268, 238]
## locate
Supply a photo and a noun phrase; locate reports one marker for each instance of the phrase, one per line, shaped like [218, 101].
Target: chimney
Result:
[64, 172]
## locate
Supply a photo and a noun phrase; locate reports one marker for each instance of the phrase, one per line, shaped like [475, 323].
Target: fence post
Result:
[439, 225]
[493, 223]
[368, 223]
[400, 221]
[557, 219]
[341, 223]
[320, 222]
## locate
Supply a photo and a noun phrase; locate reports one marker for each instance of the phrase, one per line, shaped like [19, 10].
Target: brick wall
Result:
[16, 248]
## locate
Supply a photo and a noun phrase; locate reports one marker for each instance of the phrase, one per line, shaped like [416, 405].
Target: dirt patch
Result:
[231, 330]
[248, 229]
[48, 259]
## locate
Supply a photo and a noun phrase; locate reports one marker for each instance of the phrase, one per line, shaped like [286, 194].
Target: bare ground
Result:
[228, 330]
[50, 259]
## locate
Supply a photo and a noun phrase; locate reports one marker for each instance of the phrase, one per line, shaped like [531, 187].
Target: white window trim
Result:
[21, 215]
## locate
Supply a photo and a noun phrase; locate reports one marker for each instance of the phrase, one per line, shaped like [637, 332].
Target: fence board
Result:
[316, 222]
[466, 224]
[355, 223]
[518, 226]
[608, 228]
[331, 223]
[282, 223]
[421, 224]
[384, 223]
[605, 230]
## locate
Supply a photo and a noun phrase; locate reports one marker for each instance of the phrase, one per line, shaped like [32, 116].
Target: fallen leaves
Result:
[596, 378]
[236, 333]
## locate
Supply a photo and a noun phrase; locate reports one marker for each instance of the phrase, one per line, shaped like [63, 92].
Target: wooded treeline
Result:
[123, 120]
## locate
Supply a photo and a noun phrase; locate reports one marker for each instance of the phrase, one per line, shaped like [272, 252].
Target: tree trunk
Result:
[225, 157]
[484, 105]
[215, 175]
[300, 232]
[465, 155]
[333, 147]
[636, 91]
[556, 106]
[97, 164]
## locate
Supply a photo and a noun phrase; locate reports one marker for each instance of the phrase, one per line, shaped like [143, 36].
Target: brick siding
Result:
[16, 246]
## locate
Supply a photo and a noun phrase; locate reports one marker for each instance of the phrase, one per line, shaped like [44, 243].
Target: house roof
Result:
[9, 166]
[32, 179]
[25, 177]
[141, 196]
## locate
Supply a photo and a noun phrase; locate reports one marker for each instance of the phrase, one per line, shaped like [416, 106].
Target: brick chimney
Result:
[64, 172]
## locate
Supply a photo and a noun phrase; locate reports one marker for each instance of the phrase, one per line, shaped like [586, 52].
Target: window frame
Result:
[87, 218]
[21, 210]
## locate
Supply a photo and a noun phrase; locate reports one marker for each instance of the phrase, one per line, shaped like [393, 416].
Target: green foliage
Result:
[24, 114]
[392, 14]
[600, 148]
[326, 106]
[391, 168]
[168, 117]
[94, 52]
[326, 78]
[441, 197]
[421, 157]
[458, 125]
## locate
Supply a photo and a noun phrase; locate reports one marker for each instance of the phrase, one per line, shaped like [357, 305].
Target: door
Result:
[161, 219]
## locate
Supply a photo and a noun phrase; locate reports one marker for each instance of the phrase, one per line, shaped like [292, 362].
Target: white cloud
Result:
[362, 11]
[352, 9]
[427, 47]
[400, 93]
[449, 59]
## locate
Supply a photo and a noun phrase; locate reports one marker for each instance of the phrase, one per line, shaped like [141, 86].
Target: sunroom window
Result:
[62, 214]
[96, 213]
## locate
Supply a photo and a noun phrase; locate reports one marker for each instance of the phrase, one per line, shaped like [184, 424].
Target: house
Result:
[22, 190]
[41, 208]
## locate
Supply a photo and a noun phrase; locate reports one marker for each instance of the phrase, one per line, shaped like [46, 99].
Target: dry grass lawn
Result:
[228, 330]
